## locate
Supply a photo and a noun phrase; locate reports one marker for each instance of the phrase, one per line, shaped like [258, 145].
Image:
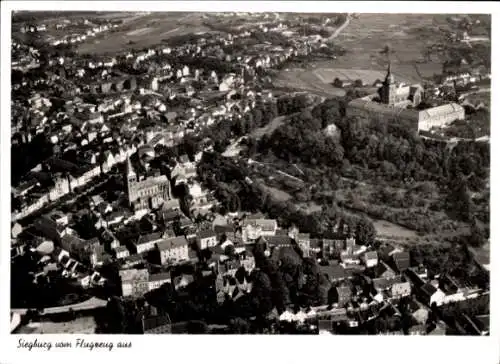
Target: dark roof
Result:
[170, 243]
[279, 240]
[159, 277]
[206, 234]
[222, 229]
[134, 258]
[428, 289]
[344, 291]
[401, 260]
[386, 250]
[316, 243]
[149, 238]
[121, 248]
[381, 283]
[333, 271]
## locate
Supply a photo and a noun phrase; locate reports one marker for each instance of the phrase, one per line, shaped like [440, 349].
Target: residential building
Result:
[401, 261]
[135, 282]
[148, 242]
[342, 295]
[400, 289]
[431, 295]
[370, 259]
[206, 239]
[122, 252]
[157, 280]
[173, 249]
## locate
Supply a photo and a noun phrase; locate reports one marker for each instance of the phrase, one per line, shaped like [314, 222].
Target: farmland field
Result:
[364, 39]
[306, 80]
[144, 30]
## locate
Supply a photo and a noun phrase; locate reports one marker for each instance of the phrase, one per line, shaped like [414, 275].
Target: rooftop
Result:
[134, 275]
[159, 277]
[171, 243]
[143, 239]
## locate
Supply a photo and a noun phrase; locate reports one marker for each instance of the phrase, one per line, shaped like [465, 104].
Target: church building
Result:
[146, 193]
[399, 101]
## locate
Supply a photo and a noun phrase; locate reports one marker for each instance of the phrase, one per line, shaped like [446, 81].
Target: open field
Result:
[306, 80]
[364, 39]
[269, 128]
[276, 193]
[329, 74]
[144, 30]
[386, 228]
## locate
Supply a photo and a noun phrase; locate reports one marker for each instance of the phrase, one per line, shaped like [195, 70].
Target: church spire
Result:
[389, 78]
[130, 169]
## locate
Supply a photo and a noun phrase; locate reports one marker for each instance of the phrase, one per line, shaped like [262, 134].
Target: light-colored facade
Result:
[392, 100]
[148, 193]
[135, 282]
[173, 249]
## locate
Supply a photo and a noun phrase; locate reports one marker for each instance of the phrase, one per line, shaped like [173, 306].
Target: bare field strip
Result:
[327, 75]
[144, 30]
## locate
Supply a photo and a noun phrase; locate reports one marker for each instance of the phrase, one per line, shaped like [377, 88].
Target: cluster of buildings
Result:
[100, 122]
[173, 99]
[365, 285]
[103, 135]
[399, 102]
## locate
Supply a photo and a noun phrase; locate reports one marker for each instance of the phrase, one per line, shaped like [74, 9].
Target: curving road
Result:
[341, 28]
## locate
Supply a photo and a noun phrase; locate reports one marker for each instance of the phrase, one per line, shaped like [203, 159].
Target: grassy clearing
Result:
[306, 80]
[269, 128]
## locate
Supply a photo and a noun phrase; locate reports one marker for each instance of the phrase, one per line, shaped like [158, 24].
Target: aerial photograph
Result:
[250, 173]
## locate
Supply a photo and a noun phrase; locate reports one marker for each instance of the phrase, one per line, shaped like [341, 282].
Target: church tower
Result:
[388, 89]
[131, 181]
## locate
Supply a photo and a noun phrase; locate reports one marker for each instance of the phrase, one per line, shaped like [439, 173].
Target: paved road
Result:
[341, 28]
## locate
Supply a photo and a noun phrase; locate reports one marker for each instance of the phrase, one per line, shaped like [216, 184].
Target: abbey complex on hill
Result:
[400, 101]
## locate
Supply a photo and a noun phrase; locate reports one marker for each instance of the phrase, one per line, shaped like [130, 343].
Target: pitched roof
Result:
[159, 277]
[143, 239]
[440, 110]
[279, 240]
[264, 224]
[381, 283]
[303, 236]
[222, 229]
[121, 248]
[171, 243]
[206, 234]
[344, 291]
[333, 271]
[428, 289]
[401, 260]
[134, 275]
[371, 255]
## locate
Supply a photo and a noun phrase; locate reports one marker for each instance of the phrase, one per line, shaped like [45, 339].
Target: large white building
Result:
[397, 101]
